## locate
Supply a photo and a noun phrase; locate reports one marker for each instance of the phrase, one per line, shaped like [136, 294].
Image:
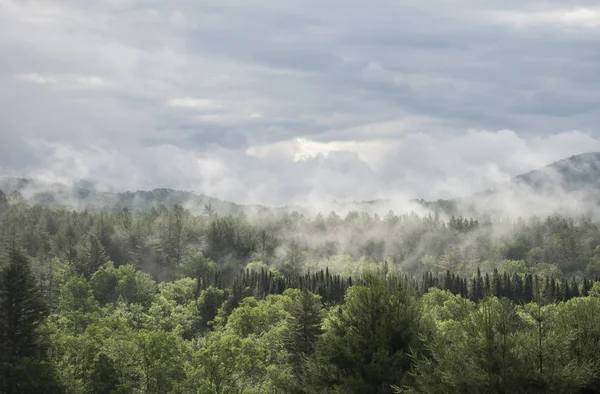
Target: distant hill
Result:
[570, 186]
[82, 195]
[579, 173]
[567, 187]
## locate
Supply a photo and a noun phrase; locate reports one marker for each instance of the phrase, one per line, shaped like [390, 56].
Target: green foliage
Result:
[125, 283]
[254, 317]
[303, 329]
[366, 344]
[92, 256]
[477, 354]
[21, 306]
[499, 348]
[209, 302]
[162, 355]
[227, 363]
[156, 301]
[104, 378]
[22, 365]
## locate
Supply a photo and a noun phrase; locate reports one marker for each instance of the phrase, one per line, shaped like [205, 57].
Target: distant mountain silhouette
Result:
[560, 187]
[577, 173]
[567, 187]
[82, 195]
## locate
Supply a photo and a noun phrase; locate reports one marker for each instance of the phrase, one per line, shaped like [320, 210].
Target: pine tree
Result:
[487, 287]
[303, 328]
[574, 288]
[93, 256]
[496, 285]
[21, 305]
[517, 282]
[366, 344]
[21, 312]
[553, 292]
[585, 287]
[529, 289]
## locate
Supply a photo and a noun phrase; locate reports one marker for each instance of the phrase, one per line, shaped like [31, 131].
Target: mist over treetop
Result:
[568, 187]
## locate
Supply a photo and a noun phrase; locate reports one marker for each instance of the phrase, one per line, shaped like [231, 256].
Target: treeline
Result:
[158, 240]
[519, 288]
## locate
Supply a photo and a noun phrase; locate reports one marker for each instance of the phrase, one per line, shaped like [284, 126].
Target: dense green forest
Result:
[159, 300]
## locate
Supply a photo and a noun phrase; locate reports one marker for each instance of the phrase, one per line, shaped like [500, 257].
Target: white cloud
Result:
[91, 81]
[36, 78]
[302, 149]
[65, 81]
[194, 103]
[587, 18]
[301, 170]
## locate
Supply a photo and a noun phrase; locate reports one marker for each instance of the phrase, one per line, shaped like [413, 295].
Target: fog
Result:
[413, 235]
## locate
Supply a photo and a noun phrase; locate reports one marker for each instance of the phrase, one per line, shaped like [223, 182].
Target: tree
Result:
[161, 356]
[173, 236]
[227, 363]
[77, 303]
[22, 310]
[366, 344]
[303, 328]
[93, 256]
[196, 265]
[209, 302]
[104, 378]
[125, 283]
[476, 354]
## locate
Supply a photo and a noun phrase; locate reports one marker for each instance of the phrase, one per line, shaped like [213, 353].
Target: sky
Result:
[277, 102]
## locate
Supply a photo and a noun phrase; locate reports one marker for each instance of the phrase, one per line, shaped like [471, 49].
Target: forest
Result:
[160, 300]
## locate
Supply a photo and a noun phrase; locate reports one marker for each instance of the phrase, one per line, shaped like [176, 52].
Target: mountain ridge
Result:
[575, 176]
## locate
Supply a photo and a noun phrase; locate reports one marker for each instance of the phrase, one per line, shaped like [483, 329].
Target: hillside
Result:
[579, 173]
[82, 195]
[569, 186]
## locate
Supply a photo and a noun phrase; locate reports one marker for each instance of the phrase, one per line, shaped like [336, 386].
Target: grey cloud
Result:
[15, 155]
[306, 61]
[552, 105]
[288, 70]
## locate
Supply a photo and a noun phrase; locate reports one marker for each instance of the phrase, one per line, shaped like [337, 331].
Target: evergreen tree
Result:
[93, 256]
[209, 302]
[518, 291]
[22, 310]
[366, 344]
[529, 289]
[303, 328]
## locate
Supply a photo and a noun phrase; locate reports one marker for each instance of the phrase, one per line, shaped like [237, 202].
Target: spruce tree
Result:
[93, 256]
[21, 305]
[303, 328]
[22, 310]
[529, 289]
[366, 344]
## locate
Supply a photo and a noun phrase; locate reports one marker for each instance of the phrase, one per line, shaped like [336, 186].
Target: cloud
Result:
[194, 103]
[314, 173]
[274, 102]
[579, 17]
[64, 81]
[36, 78]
